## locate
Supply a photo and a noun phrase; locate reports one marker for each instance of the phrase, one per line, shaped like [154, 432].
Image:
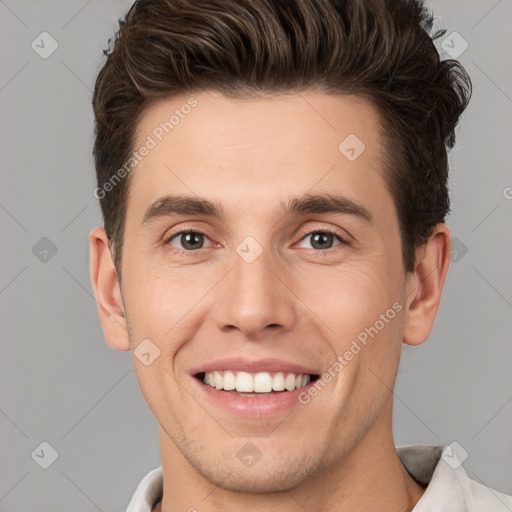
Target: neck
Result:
[370, 477]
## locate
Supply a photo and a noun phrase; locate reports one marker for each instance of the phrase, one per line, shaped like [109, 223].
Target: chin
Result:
[261, 478]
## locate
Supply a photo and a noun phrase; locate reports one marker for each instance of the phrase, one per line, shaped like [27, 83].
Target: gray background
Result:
[61, 383]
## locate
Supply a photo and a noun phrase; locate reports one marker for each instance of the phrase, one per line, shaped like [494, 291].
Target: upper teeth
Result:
[263, 382]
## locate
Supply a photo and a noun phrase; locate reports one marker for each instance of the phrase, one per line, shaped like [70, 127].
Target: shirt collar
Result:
[449, 488]
[148, 492]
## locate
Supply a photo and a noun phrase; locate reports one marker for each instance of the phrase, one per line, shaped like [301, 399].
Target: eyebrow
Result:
[326, 203]
[319, 203]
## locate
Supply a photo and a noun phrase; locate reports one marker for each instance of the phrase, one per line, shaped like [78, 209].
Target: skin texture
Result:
[295, 301]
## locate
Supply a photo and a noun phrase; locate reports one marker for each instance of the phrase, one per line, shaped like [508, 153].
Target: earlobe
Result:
[425, 286]
[107, 290]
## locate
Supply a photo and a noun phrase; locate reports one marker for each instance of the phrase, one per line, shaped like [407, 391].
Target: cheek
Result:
[348, 299]
[160, 392]
[361, 317]
[160, 299]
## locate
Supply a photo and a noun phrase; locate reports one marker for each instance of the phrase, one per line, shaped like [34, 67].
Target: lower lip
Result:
[253, 407]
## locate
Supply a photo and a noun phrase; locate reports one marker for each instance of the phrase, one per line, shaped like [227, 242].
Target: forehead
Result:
[246, 152]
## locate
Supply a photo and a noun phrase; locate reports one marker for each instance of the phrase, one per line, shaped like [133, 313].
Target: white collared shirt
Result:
[449, 487]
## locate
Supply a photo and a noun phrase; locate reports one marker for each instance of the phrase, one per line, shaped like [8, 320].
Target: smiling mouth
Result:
[255, 384]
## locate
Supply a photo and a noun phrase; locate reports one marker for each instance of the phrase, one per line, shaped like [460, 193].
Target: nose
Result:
[255, 298]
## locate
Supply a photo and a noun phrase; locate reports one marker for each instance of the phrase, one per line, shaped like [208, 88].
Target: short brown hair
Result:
[382, 50]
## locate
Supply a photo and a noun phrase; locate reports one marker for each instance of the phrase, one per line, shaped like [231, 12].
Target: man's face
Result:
[300, 287]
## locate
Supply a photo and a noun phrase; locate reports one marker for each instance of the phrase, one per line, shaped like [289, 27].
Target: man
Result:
[272, 177]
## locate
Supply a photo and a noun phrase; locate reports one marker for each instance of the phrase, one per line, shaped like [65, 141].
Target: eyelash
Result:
[341, 239]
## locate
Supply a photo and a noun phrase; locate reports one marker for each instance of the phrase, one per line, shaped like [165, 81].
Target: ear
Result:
[425, 285]
[107, 290]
